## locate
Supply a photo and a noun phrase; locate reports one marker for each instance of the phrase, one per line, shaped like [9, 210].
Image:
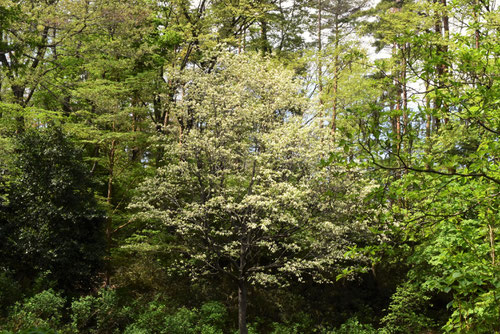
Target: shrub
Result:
[10, 292]
[152, 320]
[213, 315]
[407, 311]
[101, 314]
[352, 325]
[211, 318]
[43, 310]
[32, 331]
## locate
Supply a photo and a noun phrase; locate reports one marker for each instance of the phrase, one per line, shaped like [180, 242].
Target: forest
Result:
[249, 166]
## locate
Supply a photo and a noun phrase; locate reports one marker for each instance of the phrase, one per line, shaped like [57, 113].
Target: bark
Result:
[242, 279]
[444, 66]
[492, 243]
[428, 124]
[397, 78]
[335, 77]
[244, 39]
[157, 103]
[397, 119]
[405, 90]
[135, 119]
[242, 306]
[404, 87]
[320, 65]
[438, 104]
[109, 220]
[335, 100]
[477, 33]
[239, 43]
[446, 24]
[18, 92]
[264, 40]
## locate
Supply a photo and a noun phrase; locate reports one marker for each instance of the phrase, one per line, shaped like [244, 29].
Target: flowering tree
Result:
[241, 187]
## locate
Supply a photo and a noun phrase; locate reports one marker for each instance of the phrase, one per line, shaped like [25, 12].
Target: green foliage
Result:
[213, 315]
[110, 312]
[408, 310]
[32, 331]
[10, 292]
[43, 310]
[211, 318]
[152, 320]
[438, 149]
[293, 328]
[458, 258]
[183, 321]
[104, 313]
[352, 325]
[186, 157]
[51, 206]
[83, 314]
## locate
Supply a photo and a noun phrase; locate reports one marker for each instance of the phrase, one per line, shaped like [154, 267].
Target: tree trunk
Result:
[320, 65]
[405, 89]
[244, 39]
[335, 77]
[428, 123]
[109, 220]
[492, 243]
[334, 105]
[446, 36]
[439, 70]
[397, 83]
[242, 279]
[264, 40]
[406, 135]
[19, 99]
[477, 33]
[242, 306]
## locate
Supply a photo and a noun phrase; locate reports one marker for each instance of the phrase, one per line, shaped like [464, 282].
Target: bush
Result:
[183, 321]
[407, 311]
[43, 311]
[53, 225]
[150, 321]
[354, 326]
[101, 314]
[287, 328]
[32, 331]
[83, 313]
[300, 323]
[213, 315]
[10, 292]
[211, 318]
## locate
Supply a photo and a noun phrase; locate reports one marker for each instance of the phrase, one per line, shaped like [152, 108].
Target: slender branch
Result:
[420, 170]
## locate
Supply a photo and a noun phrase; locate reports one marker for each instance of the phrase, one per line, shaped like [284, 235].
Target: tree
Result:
[32, 37]
[445, 196]
[52, 226]
[240, 190]
[340, 16]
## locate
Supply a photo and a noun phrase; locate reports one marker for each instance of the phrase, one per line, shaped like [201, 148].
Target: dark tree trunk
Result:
[242, 306]
[264, 39]
[477, 33]
[446, 36]
[320, 65]
[19, 99]
[242, 278]
[438, 104]
[335, 78]
[109, 220]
